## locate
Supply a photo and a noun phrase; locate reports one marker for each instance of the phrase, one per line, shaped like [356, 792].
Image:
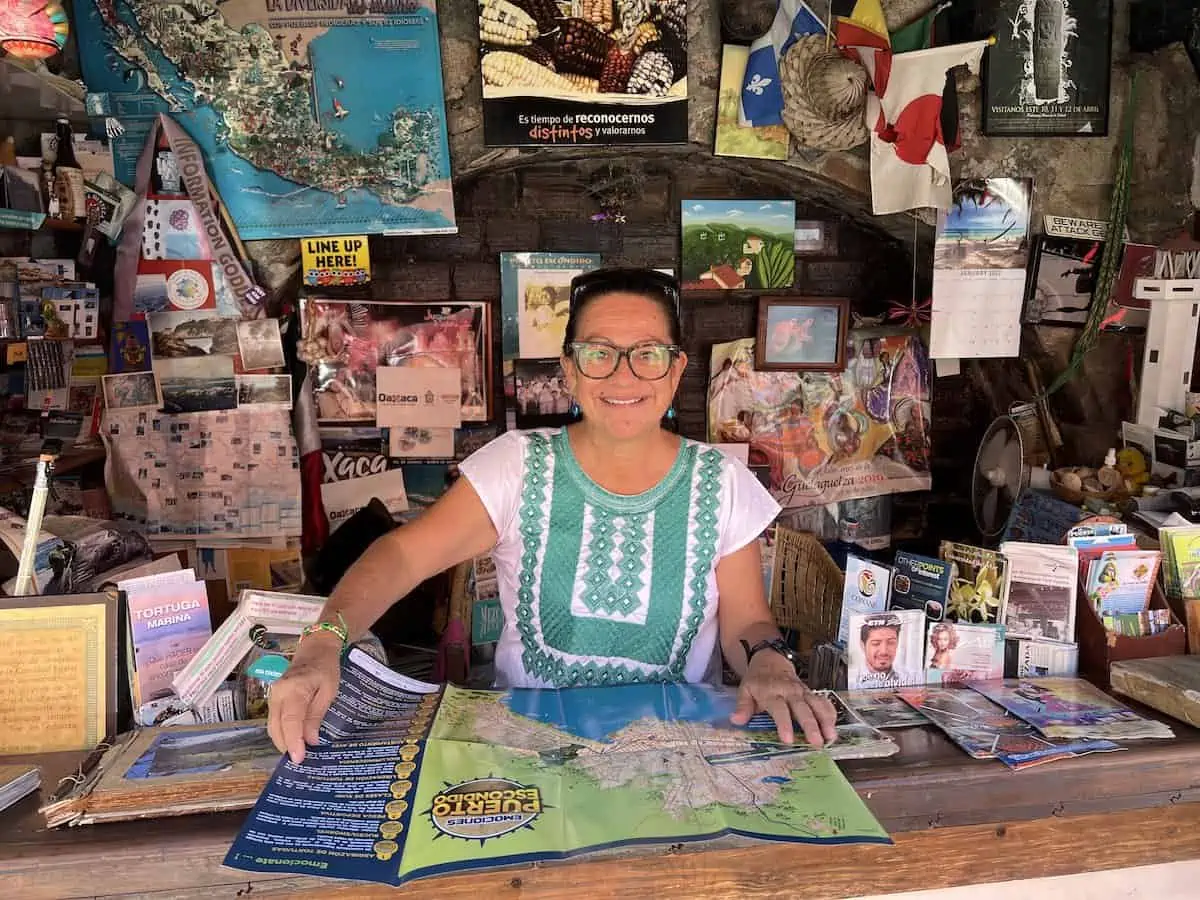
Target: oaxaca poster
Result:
[563, 73]
[410, 780]
[1049, 70]
[826, 438]
[315, 117]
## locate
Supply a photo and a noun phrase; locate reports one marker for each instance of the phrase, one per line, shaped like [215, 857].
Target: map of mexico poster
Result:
[316, 117]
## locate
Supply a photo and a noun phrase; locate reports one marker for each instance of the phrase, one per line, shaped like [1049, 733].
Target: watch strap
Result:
[777, 644]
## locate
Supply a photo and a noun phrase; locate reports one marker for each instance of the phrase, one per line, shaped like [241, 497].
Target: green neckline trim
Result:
[624, 503]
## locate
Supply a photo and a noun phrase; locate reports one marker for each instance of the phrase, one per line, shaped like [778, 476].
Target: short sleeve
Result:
[495, 472]
[747, 508]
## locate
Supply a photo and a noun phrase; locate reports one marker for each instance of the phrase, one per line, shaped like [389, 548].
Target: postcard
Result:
[183, 284]
[133, 389]
[978, 582]
[193, 333]
[543, 400]
[733, 138]
[342, 499]
[738, 244]
[958, 652]
[883, 709]
[420, 396]
[886, 650]
[264, 390]
[260, 344]
[196, 384]
[414, 442]
[535, 299]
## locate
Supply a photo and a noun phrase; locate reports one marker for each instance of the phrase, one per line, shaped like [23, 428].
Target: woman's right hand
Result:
[299, 700]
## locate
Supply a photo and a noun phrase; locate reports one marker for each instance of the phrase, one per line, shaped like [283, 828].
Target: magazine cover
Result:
[424, 780]
[586, 73]
[986, 731]
[535, 298]
[827, 438]
[978, 582]
[865, 591]
[1043, 580]
[886, 650]
[1049, 70]
[957, 652]
[737, 244]
[314, 118]
[882, 709]
[1070, 708]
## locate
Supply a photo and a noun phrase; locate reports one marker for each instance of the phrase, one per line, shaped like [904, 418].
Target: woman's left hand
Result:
[771, 685]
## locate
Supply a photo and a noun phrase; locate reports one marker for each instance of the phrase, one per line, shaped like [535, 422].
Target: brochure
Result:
[921, 582]
[1043, 580]
[882, 709]
[1070, 708]
[865, 591]
[986, 731]
[886, 650]
[957, 652]
[410, 780]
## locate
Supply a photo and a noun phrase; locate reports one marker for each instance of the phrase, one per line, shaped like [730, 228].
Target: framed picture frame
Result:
[346, 341]
[1049, 73]
[815, 237]
[801, 334]
[542, 400]
[1062, 277]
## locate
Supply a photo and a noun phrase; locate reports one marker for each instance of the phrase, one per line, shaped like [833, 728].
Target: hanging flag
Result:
[861, 31]
[762, 95]
[921, 34]
[909, 164]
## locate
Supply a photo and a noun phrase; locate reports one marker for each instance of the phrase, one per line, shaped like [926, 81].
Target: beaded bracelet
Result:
[339, 629]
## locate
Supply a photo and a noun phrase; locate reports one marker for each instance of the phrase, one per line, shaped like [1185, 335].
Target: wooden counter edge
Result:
[932, 858]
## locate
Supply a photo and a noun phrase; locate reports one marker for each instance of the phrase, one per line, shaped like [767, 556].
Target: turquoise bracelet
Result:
[339, 629]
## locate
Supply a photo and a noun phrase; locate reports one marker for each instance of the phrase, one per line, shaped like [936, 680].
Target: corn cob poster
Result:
[316, 118]
[583, 72]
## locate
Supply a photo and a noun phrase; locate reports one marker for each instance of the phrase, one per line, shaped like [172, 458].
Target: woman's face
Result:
[941, 639]
[623, 406]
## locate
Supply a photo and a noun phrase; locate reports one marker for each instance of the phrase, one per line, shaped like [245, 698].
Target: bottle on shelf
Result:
[68, 176]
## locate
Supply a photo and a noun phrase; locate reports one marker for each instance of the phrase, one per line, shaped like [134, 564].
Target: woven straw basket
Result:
[806, 588]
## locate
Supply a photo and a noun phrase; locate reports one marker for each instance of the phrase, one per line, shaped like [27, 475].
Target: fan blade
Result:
[988, 511]
[1010, 462]
[993, 450]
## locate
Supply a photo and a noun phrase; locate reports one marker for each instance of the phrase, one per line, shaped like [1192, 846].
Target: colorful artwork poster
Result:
[1049, 71]
[346, 341]
[314, 118]
[827, 438]
[422, 781]
[735, 244]
[558, 74]
[535, 299]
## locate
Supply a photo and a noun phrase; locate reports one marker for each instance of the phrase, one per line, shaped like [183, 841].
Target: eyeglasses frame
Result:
[623, 353]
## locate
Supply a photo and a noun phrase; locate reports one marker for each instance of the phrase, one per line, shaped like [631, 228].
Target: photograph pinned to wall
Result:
[185, 284]
[979, 261]
[583, 73]
[535, 298]
[1061, 281]
[264, 390]
[543, 399]
[346, 341]
[733, 138]
[197, 384]
[737, 244]
[198, 333]
[260, 344]
[1050, 68]
[801, 334]
[131, 390]
[814, 237]
[171, 230]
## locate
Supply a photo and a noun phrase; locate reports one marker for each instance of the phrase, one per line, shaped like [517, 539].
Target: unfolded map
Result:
[445, 780]
[316, 117]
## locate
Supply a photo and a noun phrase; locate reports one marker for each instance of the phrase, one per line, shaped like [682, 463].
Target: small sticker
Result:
[268, 668]
[17, 353]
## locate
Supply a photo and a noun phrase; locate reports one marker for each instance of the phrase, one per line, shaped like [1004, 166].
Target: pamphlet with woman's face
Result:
[957, 652]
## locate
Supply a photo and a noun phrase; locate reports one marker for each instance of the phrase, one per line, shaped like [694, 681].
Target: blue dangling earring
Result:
[671, 413]
[574, 411]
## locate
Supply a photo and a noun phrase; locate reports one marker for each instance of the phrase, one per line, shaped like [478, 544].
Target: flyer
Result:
[409, 780]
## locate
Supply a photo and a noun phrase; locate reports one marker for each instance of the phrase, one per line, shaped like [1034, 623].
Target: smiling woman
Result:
[623, 552]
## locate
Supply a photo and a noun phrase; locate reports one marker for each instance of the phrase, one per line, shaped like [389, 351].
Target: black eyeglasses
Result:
[648, 361]
[635, 281]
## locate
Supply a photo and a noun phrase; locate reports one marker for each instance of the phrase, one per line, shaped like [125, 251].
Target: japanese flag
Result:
[909, 164]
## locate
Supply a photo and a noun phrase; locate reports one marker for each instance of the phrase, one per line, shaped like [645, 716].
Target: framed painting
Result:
[801, 334]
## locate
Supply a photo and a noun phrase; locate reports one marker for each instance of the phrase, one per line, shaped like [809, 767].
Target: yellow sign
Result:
[17, 353]
[335, 260]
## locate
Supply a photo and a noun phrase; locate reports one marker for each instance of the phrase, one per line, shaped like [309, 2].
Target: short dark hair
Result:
[658, 287]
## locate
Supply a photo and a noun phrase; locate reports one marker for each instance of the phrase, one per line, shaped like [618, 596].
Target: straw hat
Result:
[824, 95]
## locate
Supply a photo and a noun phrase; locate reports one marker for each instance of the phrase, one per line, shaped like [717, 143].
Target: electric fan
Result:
[1001, 474]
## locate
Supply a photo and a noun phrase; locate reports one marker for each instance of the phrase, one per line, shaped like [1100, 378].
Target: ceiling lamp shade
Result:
[32, 29]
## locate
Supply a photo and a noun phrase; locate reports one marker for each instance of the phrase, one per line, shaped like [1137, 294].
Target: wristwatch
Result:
[779, 645]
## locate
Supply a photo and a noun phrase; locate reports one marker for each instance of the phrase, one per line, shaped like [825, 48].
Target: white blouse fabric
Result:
[602, 588]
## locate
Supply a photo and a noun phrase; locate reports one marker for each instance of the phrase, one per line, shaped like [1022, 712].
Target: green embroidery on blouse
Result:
[676, 517]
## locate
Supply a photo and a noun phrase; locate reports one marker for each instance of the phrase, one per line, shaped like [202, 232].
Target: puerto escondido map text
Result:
[316, 117]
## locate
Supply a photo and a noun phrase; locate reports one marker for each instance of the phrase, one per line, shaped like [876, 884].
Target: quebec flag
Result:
[762, 95]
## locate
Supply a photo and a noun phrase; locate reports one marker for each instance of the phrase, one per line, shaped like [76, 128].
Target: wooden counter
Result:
[954, 821]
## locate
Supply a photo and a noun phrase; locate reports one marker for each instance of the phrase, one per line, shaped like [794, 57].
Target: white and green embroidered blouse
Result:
[602, 588]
